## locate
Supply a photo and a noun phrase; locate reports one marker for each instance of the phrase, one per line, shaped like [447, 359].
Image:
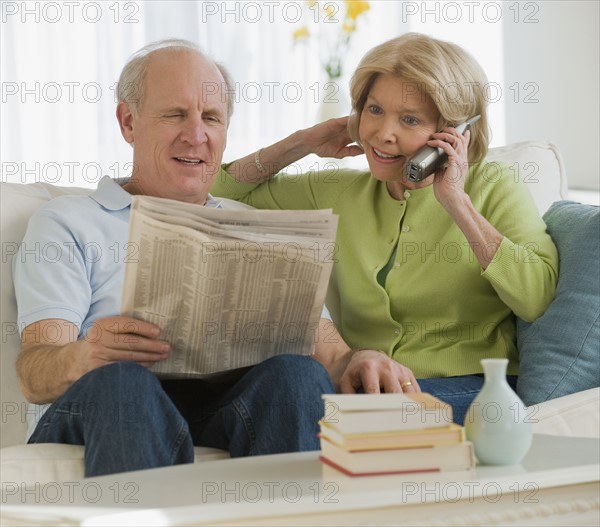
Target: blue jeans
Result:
[129, 420]
[458, 392]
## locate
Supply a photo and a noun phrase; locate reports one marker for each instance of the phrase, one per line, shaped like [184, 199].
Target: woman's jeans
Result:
[129, 420]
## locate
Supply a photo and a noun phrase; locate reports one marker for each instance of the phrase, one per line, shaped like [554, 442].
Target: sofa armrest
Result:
[577, 414]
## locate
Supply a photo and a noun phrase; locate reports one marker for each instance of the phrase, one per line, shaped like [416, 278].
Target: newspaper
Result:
[228, 288]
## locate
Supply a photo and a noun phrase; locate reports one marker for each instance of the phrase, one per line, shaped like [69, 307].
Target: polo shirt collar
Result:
[111, 195]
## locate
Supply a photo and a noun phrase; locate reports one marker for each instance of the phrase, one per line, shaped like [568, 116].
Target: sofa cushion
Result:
[18, 203]
[539, 165]
[42, 463]
[575, 415]
[559, 351]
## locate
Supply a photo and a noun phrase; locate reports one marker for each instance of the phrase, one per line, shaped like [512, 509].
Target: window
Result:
[61, 61]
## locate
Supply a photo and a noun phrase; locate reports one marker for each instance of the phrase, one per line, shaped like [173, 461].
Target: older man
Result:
[87, 364]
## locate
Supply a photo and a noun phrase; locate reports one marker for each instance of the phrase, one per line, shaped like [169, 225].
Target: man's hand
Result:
[120, 338]
[52, 358]
[376, 373]
[331, 139]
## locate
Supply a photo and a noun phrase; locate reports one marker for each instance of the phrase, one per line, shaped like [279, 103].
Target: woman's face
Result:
[396, 121]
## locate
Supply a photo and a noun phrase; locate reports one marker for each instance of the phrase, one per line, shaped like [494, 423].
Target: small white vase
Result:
[496, 422]
[334, 102]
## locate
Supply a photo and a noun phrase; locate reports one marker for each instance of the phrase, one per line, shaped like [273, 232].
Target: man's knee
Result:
[299, 367]
[297, 384]
[119, 380]
[119, 392]
[118, 370]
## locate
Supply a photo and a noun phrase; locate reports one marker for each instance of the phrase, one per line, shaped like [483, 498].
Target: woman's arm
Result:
[508, 238]
[449, 187]
[328, 139]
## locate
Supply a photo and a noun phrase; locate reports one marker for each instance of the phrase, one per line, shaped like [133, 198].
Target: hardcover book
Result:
[421, 437]
[385, 412]
[440, 458]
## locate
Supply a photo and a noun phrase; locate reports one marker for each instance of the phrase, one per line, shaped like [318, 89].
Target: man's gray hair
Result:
[131, 87]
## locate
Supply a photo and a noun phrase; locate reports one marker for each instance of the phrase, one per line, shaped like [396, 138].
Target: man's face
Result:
[179, 136]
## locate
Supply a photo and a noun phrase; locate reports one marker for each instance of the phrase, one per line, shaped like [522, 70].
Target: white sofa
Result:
[540, 162]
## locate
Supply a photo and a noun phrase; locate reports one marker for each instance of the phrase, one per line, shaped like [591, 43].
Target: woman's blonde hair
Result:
[439, 69]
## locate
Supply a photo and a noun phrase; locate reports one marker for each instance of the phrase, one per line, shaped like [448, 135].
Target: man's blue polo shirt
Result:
[70, 264]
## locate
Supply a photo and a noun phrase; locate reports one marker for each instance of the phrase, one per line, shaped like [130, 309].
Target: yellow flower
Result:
[356, 8]
[330, 11]
[341, 28]
[349, 26]
[301, 33]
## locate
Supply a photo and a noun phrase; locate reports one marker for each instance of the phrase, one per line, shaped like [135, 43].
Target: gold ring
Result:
[405, 384]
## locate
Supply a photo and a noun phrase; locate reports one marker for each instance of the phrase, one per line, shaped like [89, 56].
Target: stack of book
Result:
[371, 434]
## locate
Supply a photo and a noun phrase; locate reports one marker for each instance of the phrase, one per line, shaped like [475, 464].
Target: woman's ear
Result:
[125, 118]
[352, 127]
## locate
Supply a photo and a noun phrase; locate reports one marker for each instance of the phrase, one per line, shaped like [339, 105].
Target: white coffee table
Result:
[557, 483]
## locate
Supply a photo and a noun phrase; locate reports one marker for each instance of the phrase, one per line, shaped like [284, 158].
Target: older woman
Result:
[429, 275]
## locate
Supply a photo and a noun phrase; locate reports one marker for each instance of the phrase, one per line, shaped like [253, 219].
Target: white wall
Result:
[542, 59]
[477, 28]
[555, 60]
